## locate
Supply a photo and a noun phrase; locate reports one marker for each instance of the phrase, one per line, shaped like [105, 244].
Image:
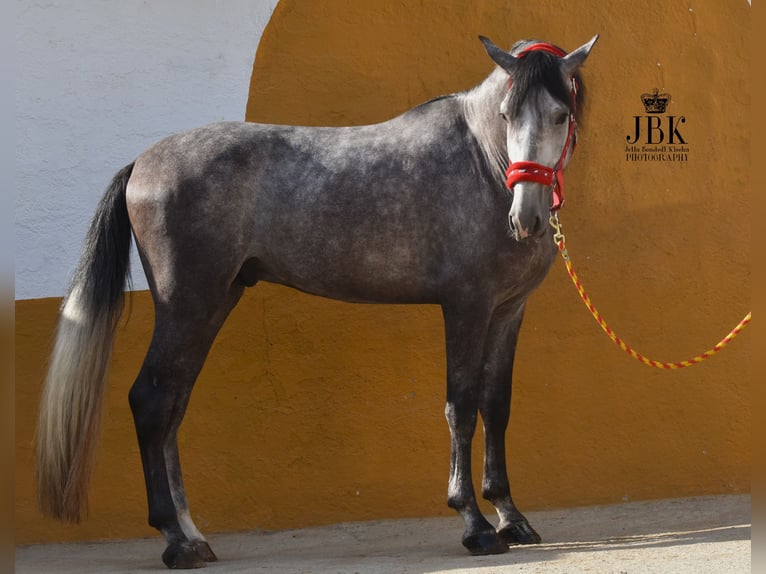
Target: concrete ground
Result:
[704, 535]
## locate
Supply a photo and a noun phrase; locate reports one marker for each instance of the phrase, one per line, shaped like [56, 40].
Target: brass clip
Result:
[558, 236]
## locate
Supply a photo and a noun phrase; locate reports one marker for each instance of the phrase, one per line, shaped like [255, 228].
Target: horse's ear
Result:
[577, 57]
[500, 57]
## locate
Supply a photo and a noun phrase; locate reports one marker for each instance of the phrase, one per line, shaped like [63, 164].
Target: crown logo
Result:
[655, 103]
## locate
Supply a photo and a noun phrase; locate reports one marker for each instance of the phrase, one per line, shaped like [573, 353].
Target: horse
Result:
[445, 204]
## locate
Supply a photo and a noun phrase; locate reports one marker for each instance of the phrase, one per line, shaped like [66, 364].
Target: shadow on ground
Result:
[692, 535]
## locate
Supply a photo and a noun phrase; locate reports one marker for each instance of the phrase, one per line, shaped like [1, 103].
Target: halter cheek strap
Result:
[519, 171]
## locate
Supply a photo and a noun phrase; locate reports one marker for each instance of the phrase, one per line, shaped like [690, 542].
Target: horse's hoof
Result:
[484, 543]
[519, 533]
[202, 548]
[182, 557]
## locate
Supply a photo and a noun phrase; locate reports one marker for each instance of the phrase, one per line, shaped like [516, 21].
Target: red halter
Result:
[531, 171]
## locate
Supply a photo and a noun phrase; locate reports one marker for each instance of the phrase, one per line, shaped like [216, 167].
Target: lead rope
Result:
[560, 240]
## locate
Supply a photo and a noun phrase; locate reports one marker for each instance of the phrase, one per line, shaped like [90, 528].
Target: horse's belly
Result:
[362, 276]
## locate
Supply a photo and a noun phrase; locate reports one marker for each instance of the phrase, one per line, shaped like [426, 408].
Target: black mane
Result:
[538, 70]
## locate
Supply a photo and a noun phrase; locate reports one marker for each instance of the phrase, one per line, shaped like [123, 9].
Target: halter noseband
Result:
[531, 171]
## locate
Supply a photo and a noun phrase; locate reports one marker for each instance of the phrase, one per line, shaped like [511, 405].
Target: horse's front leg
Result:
[495, 408]
[465, 330]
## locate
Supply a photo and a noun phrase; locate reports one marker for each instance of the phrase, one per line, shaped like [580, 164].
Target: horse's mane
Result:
[539, 70]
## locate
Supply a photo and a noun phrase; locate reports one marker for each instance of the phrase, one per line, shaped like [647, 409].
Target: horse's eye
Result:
[505, 117]
[561, 118]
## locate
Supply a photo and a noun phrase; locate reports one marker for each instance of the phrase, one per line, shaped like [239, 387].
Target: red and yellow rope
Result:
[560, 242]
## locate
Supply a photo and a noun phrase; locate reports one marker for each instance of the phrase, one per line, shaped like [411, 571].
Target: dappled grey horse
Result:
[445, 204]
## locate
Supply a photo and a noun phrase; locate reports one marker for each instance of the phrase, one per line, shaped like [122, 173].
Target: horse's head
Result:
[540, 109]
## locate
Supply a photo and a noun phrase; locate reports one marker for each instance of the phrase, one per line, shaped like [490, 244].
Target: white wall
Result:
[97, 82]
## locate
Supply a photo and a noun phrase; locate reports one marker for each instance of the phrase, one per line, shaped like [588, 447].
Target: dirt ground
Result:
[704, 535]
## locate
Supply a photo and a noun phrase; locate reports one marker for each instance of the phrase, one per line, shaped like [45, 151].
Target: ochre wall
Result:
[311, 411]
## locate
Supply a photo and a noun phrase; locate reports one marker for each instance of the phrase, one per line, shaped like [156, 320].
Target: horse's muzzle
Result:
[529, 211]
[534, 227]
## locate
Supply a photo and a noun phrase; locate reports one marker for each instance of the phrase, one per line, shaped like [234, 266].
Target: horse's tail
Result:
[73, 392]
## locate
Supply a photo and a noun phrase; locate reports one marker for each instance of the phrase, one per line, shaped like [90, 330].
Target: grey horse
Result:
[445, 204]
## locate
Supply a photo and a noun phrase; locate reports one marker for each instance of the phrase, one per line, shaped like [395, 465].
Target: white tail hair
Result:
[73, 392]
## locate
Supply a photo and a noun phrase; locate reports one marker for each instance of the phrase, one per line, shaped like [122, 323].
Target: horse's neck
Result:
[481, 106]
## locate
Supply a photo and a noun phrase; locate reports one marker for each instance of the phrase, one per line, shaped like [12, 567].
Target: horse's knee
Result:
[461, 418]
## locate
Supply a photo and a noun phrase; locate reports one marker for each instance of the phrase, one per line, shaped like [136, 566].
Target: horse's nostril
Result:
[511, 225]
[527, 226]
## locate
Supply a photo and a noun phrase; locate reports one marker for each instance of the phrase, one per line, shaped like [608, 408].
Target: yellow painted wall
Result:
[311, 411]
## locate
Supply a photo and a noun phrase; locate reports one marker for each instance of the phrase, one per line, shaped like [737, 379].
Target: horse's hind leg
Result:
[495, 407]
[184, 330]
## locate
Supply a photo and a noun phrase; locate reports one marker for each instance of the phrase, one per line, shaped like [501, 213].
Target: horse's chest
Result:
[526, 265]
